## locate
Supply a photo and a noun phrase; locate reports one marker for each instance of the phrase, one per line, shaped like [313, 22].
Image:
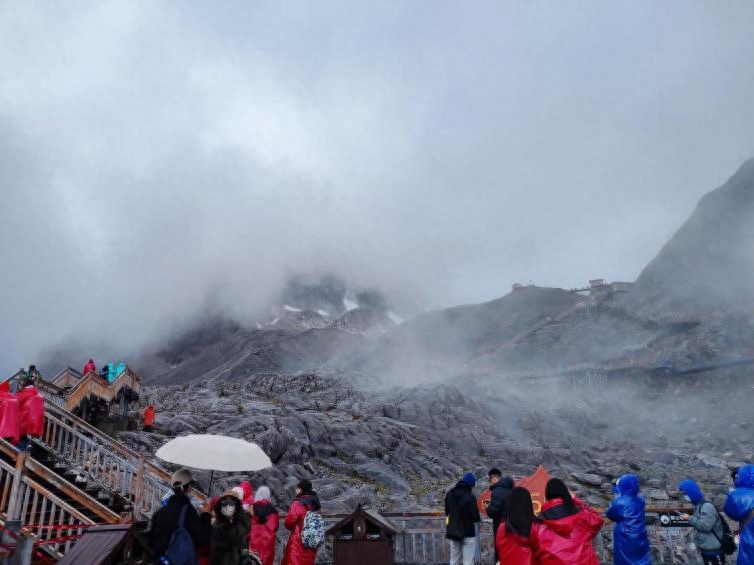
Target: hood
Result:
[504, 482]
[558, 518]
[263, 509]
[692, 490]
[627, 485]
[248, 491]
[218, 506]
[745, 477]
[310, 500]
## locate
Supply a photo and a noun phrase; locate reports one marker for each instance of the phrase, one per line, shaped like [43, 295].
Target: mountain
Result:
[372, 410]
[708, 265]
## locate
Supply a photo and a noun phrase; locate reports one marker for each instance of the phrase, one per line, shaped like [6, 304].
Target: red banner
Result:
[536, 485]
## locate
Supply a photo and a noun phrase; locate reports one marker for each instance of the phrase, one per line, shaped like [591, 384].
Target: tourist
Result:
[149, 414]
[230, 531]
[517, 538]
[707, 524]
[569, 528]
[165, 520]
[500, 489]
[739, 506]
[248, 495]
[90, 367]
[630, 540]
[265, 521]
[306, 501]
[33, 377]
[461, 521]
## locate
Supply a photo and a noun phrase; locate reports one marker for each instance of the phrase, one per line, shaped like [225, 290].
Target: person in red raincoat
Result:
[569, 528]
[517, 538]
[265, 521]
[9, 421]
[306, 500]
[90, 367]
[31, 412]
[248, 495]
[149, 413]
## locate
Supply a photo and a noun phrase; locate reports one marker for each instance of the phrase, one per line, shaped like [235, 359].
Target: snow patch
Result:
[323, 313]
[349, 304]
[275, 321]
[259, 326]
[397, 320]
[291, 308]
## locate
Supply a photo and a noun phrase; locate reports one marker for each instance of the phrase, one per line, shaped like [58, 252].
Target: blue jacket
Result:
[630, 540]
[739, 505]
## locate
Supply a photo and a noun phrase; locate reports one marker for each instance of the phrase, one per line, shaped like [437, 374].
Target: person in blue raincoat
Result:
[740, 507]
[630, 540]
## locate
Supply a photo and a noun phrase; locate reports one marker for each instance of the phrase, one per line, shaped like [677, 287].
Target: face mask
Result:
[686, 498]
[228, 509]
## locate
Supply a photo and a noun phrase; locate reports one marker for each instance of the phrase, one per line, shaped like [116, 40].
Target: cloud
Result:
[159, 161]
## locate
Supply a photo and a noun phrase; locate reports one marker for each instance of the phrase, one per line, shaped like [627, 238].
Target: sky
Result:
[159, 161]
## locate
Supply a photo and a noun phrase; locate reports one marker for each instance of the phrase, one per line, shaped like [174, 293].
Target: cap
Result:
[181, 477]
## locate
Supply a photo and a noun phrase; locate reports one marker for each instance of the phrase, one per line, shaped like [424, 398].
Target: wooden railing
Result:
[39, 510]
[42, 474]
[69, 388]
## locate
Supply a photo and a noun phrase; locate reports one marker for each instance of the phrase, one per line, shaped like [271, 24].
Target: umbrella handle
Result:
[209, 489]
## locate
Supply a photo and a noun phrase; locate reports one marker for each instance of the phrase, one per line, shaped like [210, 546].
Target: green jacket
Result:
[229, 538]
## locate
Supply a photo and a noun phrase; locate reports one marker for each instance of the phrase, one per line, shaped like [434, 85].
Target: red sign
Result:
[536, 485]
[484, 501]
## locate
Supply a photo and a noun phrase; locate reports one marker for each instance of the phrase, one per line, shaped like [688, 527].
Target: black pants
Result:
[147, 428]
[713, 559]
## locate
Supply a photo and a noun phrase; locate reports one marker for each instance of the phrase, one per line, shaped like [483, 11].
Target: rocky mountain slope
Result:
[335, 390]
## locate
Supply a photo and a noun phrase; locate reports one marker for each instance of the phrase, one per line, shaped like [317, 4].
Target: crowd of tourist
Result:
[562, 533]
[238, 528]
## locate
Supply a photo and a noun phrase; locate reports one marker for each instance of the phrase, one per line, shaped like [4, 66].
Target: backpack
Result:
[313, 532]
[727, 542]
[181, 549]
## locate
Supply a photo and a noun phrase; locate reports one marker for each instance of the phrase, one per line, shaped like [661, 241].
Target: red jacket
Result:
[295, 552]
[90, 368]
[9, 424]
[31, 412]
[149, 416]
[566, 538]
[263, 534]
[515, 549]
[248, 494]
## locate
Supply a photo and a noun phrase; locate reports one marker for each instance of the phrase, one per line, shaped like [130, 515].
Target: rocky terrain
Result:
[654, 379]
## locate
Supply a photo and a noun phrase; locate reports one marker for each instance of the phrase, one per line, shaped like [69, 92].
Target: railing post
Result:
[15, 498]
[139, 490]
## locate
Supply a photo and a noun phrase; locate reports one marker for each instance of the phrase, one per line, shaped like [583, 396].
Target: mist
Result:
[162, 163]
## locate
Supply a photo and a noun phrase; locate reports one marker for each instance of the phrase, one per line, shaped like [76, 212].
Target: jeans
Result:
[462, 552]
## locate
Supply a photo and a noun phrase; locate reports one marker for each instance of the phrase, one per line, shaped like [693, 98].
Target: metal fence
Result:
[421, 540]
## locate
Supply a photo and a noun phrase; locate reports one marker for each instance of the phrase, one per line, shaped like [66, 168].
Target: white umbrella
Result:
[214, 453]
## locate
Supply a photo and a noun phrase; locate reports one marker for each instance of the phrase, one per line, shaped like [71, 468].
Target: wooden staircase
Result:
[70, 388]
[106, 462]
[75, 475]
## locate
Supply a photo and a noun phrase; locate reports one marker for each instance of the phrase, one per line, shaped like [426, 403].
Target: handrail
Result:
[43, 472]
[38, 509]
[108, 462]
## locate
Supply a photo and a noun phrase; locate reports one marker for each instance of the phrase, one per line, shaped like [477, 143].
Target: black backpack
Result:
[727, 542]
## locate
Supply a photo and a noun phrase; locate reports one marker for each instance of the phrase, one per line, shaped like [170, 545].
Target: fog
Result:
[159, 162]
